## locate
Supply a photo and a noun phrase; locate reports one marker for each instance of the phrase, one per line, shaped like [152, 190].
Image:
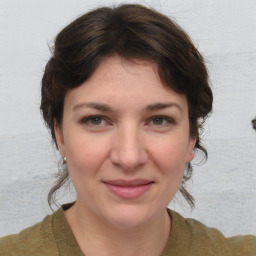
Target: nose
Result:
[128, 150]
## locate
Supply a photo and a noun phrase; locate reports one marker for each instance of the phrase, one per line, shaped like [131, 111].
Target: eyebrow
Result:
[107, 108]
[159, 106]
[98, 106]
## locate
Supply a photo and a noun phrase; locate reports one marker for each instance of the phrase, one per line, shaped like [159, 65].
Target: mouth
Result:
[131, 189]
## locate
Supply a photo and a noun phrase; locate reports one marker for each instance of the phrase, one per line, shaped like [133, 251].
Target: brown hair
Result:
[133, 32]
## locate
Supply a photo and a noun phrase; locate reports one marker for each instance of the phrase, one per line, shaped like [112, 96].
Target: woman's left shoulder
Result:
[203, 240]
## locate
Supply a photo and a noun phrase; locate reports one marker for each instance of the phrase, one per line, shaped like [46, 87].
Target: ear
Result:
[191, 146]
[59, 138]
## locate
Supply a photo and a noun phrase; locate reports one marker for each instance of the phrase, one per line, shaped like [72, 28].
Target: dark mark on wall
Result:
[254, 123]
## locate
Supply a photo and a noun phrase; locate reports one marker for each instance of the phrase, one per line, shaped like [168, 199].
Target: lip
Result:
[128, 189]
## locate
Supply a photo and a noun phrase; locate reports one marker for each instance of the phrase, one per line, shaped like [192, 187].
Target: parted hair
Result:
[133, 32]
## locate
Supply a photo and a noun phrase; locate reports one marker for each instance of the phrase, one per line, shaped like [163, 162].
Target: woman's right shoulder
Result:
[36, 240]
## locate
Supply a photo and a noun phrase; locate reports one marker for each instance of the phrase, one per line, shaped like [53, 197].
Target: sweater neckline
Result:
[67, 244]
[64, 237]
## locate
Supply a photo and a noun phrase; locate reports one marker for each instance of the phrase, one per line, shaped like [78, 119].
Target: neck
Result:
[98, 238]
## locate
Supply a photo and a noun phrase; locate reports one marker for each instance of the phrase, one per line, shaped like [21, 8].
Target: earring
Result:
[65, 159]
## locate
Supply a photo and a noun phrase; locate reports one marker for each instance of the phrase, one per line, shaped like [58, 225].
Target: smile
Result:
[128, 189]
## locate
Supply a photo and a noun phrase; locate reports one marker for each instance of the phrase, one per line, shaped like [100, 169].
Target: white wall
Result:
[224, 31]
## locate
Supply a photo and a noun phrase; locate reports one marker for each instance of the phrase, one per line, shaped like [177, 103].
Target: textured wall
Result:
[224, 31]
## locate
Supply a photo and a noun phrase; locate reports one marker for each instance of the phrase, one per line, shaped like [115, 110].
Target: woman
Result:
[124, 96]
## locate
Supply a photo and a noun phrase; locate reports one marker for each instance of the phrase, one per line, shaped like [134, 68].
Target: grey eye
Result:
[158, 120]
[95, 120]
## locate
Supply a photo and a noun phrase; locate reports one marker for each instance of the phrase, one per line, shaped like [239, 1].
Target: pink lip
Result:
[128, 189]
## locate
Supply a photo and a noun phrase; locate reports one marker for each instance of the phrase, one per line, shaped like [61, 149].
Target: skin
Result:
[139, 129]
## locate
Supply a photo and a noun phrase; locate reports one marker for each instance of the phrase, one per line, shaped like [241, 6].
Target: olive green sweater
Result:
[188, 237]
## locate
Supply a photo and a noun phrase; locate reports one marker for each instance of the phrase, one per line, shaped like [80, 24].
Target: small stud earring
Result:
[65, 159]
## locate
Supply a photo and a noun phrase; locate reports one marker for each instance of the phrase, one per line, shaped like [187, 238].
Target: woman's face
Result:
[126, 139]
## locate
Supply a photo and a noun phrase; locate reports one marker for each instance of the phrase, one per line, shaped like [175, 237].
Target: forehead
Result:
[118, 68]
[118, 80]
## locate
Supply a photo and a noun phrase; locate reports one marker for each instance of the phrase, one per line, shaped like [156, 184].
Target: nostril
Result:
[129, 160]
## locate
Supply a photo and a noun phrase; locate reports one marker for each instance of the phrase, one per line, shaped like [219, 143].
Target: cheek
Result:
[170, 154]
[85, 154]
[170, 162]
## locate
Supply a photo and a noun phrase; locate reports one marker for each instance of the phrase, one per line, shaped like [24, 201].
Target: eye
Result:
[93, 121]
[161, 121]
[158, 120]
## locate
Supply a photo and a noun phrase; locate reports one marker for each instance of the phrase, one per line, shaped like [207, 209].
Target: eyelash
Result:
[88, 121]
[168, 120]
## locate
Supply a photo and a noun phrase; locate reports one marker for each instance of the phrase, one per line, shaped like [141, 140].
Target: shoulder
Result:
[203, 240]
[36, 240]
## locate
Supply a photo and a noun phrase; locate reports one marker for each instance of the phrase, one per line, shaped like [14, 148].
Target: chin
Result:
[128, 217]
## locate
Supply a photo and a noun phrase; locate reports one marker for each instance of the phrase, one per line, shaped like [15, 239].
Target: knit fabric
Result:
[189, 237]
